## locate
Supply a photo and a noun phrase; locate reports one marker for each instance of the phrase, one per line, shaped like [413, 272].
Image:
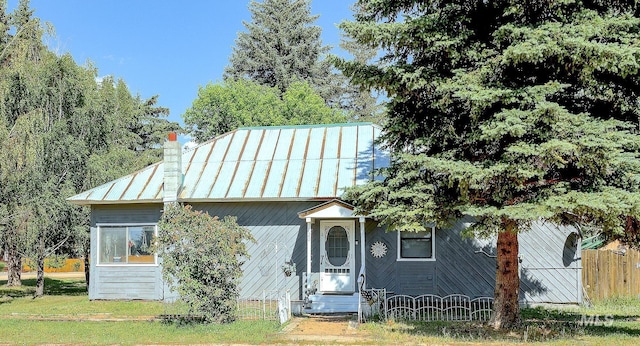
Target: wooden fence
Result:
[608, 274]
[52, 266]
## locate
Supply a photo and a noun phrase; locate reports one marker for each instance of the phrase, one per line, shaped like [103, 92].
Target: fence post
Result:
[288, 305]
[264, 305]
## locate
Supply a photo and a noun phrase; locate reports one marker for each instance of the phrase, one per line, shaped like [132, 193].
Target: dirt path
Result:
[325, 329]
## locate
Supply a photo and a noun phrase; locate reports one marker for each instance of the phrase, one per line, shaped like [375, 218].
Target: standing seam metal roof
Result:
[257, 163]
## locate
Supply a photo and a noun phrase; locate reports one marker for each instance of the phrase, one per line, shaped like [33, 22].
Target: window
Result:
[125, 244]
[416, 246]
[337, 246]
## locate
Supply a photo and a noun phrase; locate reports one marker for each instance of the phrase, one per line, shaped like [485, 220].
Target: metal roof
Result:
[259, 163]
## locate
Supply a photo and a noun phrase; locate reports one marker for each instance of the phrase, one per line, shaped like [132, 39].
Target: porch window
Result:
[126, 244]
[416, 246]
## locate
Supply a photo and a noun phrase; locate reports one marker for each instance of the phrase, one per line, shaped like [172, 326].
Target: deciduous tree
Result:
[57, 125]
[225, 106]
[509, 111]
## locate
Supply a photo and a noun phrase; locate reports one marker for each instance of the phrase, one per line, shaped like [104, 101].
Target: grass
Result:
[614, 321]
[66, 316]
[69, 287]
[132, 332]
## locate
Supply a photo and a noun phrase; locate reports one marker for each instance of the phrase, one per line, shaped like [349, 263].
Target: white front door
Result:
[337, 256]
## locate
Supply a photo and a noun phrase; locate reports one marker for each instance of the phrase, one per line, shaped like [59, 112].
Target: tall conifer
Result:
[507, 110]
[281, 46]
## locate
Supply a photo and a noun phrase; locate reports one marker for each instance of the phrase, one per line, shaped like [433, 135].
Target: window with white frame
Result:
[126, 244]
[417, 246]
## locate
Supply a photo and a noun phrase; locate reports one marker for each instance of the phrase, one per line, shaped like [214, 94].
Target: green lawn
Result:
[611, 322]
[65, 315]
[16, 331]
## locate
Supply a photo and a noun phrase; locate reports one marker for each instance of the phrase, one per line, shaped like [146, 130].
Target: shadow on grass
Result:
[538, 324]
[52, 287]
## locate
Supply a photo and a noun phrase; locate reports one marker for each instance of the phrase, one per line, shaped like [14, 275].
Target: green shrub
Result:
[201, 259]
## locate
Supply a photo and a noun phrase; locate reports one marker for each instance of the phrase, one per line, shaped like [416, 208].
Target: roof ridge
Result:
[304, 126]
[278, 127]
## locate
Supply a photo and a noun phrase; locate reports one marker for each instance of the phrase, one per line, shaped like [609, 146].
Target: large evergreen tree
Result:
[359, 100]
[282, 46]
[507, 110]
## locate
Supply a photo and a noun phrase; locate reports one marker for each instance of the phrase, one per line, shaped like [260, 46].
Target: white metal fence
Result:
[429, 307]
[273, 305]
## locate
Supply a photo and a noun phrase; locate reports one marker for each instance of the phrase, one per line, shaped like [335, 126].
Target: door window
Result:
[337, 246]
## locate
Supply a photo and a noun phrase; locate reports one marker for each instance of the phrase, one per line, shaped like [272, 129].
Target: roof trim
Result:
[201, 200]
[107, 202]
[333, 209]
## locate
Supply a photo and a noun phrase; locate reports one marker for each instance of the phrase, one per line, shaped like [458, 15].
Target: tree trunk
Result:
[506, 308]
[14, 266]
[40, 278]
[40, 273]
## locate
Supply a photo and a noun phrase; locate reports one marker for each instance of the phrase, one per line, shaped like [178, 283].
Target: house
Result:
[284, 184]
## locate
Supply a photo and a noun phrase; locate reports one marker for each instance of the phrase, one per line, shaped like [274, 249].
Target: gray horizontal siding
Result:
[415, 277]
[129, 283]
[126, 213]
[124, 282]
[550, 268]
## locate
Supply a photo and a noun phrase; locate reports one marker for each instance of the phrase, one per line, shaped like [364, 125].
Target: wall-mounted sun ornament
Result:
[378, 249]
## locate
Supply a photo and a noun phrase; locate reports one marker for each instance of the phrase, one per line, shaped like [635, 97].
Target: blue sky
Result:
[162, 47]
